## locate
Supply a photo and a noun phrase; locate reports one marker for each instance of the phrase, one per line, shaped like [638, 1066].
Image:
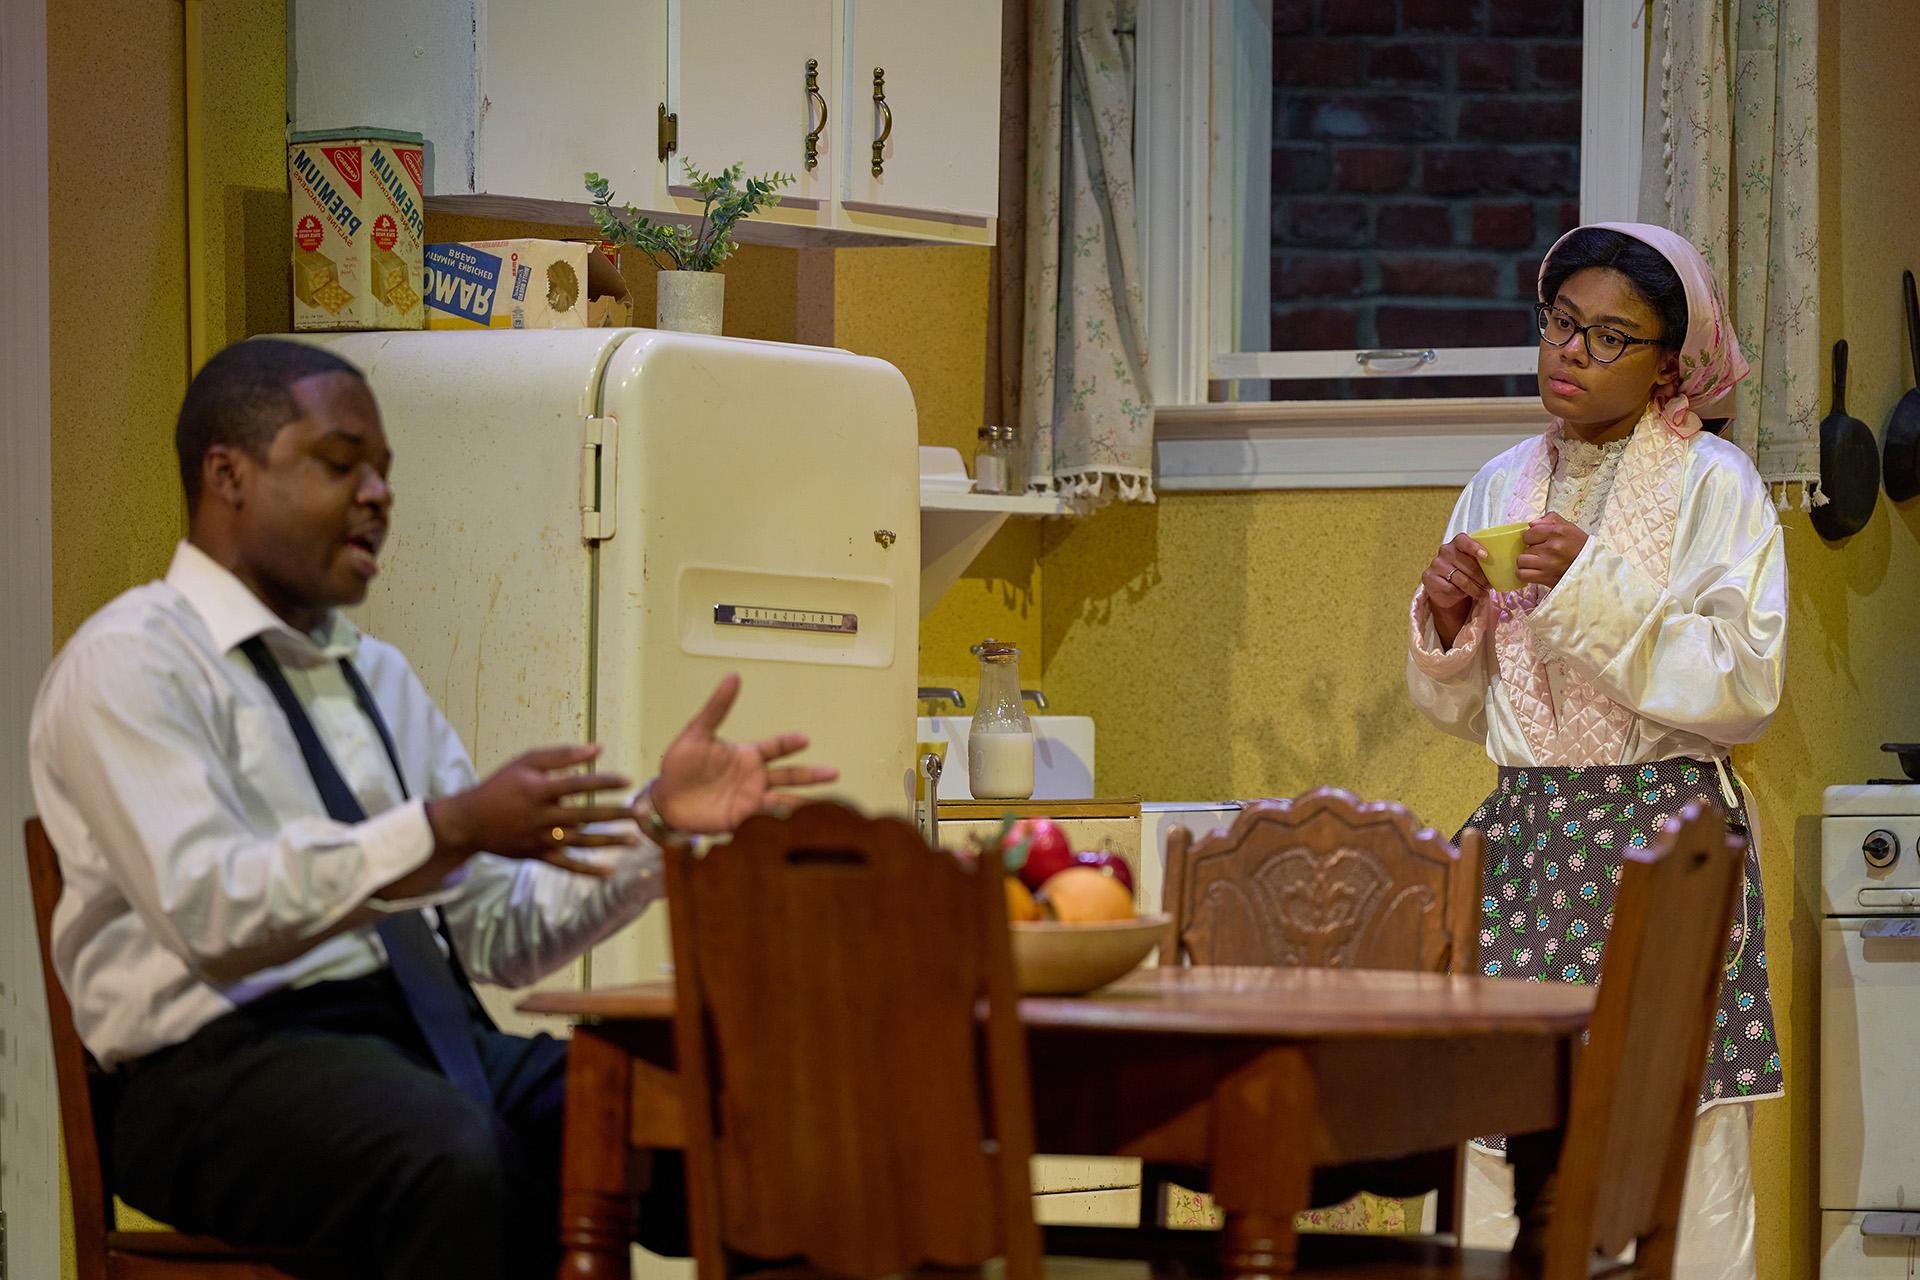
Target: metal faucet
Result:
[929, 694]
[1037, 698]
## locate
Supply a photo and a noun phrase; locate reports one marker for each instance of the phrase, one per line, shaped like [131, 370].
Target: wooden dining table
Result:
[1263, 1075]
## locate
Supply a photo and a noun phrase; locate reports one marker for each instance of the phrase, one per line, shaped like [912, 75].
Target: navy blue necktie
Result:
[429, 981]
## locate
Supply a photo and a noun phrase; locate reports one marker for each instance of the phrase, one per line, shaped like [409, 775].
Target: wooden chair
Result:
[1326, 881]
[100, 1251]
[1622, 1166]
[848, 1111]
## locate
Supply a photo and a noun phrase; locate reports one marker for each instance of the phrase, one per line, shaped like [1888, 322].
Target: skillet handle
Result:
[1840, 377]
[1913, 324]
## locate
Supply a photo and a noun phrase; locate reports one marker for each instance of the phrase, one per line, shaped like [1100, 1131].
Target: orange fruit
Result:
[1020, 903]
[1085, 895]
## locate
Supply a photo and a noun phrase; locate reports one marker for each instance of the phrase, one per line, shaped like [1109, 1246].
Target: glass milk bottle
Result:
[1000, 745]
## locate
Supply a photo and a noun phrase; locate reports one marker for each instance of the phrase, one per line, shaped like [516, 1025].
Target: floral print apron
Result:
[1554, 837]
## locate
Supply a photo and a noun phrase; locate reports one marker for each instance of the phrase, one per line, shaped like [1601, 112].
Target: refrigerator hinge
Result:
[598, 469]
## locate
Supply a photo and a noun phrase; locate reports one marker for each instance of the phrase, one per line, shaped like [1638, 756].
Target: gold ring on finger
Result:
[559, 835]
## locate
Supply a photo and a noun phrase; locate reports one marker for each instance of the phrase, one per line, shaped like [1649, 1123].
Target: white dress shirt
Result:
[202, 870]
[1700, 662]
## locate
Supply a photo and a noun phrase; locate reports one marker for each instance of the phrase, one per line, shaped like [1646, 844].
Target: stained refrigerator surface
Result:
[592, 527]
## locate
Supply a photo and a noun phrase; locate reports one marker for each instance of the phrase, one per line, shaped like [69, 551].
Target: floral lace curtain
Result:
[1084, 404]
[1731, 161]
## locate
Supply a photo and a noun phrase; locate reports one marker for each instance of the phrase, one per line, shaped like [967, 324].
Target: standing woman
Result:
[1648, 638]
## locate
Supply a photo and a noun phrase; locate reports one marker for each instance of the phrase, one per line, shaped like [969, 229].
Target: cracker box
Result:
[523, 284]
[358, 216]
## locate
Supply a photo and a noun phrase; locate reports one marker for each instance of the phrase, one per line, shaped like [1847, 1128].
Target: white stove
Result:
[1870, 1031]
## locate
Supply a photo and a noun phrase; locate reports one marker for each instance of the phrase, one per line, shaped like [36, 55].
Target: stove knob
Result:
[1881, 849]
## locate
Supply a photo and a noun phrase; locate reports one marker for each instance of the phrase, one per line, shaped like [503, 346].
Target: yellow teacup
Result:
[1502, 565]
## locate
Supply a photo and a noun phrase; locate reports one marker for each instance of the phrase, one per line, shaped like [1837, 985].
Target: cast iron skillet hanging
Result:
[1903, 427]
[1849, 463]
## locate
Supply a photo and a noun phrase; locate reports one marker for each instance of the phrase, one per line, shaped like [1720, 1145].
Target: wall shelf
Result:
[1025, 504]
[956, 527]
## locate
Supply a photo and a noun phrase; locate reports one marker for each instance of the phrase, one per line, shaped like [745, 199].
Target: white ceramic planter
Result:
[690, 301]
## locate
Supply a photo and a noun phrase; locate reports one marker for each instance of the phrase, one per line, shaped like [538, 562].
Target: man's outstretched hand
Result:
[709, 786]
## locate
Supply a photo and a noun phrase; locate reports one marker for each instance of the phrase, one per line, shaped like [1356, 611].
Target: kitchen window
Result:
[1342, 205]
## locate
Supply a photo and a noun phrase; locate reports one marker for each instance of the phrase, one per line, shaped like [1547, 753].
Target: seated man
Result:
[280, 869]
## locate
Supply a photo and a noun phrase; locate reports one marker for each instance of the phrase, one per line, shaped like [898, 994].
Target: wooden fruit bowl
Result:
[1053, 959]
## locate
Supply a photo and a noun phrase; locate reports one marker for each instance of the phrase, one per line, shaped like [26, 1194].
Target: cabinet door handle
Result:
[886, 118]
[814, 95]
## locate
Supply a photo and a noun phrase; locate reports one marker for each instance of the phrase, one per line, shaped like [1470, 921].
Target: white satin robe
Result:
[1699, 662]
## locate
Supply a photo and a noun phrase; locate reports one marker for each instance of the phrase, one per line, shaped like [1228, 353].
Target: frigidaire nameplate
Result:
[748, 615]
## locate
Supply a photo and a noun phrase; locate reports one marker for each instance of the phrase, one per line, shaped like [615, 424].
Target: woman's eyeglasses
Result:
[1604, 343]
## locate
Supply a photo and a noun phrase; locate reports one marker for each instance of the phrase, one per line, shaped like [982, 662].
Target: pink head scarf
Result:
[1710, 359]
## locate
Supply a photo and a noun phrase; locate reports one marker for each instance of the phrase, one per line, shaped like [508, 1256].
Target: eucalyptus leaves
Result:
[725, 200]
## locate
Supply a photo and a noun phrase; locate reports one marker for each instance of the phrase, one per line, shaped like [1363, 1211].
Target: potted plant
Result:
[690, 289]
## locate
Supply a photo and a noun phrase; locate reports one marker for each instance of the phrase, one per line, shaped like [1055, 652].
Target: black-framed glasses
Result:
[1604, 342]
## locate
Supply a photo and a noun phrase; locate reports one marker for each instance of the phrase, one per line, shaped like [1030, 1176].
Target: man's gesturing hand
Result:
[709, 786]
[521, 811]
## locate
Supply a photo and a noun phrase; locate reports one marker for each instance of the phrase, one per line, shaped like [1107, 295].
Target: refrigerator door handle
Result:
[1883, 1225]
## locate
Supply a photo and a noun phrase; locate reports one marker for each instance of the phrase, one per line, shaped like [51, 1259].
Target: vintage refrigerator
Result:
[592, 526]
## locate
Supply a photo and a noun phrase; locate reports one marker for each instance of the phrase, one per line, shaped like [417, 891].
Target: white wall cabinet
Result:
[938, 67]
[737, 81]
[517, 98]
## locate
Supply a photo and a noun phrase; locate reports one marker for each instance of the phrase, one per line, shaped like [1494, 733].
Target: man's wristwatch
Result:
[655, 826]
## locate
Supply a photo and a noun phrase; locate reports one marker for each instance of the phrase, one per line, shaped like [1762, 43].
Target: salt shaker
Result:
[990, 463]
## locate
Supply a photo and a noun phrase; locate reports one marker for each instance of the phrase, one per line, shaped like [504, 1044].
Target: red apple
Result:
[1108, 861]
[1047, 849]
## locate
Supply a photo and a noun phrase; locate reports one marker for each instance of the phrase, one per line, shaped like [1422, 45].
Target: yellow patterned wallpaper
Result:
[117, 317]
[925, 311]
[243, 196]
[1236, 645]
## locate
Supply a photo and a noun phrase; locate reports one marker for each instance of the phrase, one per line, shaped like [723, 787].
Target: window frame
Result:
[1204, 76]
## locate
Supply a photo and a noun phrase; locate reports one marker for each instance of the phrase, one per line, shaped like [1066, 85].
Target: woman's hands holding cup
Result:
[1506, 557]
[1453, 581]
[1552, 544]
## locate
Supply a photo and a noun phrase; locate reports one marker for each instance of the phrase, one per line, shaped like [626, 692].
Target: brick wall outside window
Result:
[1426, 153]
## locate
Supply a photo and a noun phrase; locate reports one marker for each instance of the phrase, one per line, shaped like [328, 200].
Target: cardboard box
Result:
[524, 284]
[609, 298]
[359, 212]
